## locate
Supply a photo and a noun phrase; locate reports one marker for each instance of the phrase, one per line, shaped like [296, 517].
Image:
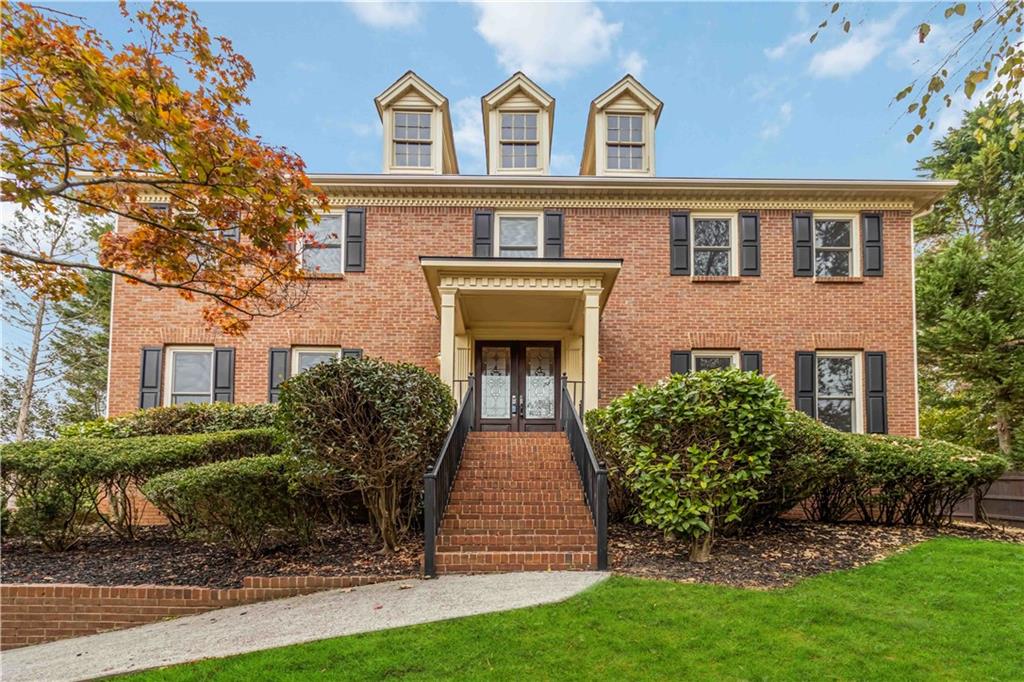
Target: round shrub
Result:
[173, 420]
[604, 438]
[374, 426]
[242, 501]
[695, 447]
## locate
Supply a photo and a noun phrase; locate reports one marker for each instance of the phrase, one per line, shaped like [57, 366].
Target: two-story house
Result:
[612, 277]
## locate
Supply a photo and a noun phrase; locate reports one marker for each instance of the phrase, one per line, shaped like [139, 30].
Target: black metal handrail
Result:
[593, 474]
[440, 476]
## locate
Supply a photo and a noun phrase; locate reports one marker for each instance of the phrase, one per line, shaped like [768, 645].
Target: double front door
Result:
[517, 385]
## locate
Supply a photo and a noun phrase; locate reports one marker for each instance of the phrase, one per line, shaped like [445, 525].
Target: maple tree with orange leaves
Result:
[218, 213]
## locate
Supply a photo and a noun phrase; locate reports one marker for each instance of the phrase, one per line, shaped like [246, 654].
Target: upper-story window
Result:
[837, 385]
[518, 236]
[412, 139]
[190, 373]
[714, 245]
[519, 140]
[834, 252]
[625, 142]
[323, 252]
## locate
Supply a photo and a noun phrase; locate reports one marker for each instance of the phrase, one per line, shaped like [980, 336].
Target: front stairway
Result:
[517, 505]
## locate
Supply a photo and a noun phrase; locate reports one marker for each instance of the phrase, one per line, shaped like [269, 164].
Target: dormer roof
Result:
[628, 94]
[518, 92]
[412, 92]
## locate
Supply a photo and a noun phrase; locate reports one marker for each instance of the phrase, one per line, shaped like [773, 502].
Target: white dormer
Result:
[417, 128]
[620, 131]
[518, 123]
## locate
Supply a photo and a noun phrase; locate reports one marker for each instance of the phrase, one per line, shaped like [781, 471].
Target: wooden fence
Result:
[1004, 501]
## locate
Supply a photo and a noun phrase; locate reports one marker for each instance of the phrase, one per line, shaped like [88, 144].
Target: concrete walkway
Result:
[266, 625]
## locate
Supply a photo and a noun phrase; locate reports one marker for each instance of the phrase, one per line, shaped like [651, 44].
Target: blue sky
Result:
[745, 94]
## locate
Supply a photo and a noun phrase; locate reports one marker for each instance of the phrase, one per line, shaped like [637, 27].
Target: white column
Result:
[448, 336]
[591, 331]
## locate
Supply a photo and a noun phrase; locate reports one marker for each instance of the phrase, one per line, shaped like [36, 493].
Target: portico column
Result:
[591, 331]
[448, 335]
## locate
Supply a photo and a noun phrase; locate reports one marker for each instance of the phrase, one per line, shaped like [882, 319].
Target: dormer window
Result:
[625, 142]
[412, 139]
[519, 140]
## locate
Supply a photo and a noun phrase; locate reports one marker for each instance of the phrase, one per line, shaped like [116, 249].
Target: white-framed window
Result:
[835, 252]
[304, 357]
[518, 235]
[714, 244]
[838, 388]
[189, 375]
[412, 139]
[715, 359]
[519, 140]
[625, 143]
[323, 251]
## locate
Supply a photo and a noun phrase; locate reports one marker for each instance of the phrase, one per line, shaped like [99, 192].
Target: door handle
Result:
[515, 403]
[522, 405]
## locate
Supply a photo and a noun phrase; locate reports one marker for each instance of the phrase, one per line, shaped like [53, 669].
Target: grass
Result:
[947, 609]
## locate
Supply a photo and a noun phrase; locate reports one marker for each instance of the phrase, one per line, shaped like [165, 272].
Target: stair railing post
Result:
[429, 524]
[602, 519]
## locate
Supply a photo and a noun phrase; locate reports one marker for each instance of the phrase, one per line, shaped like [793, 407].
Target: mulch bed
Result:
[159, 558]
[778, 556]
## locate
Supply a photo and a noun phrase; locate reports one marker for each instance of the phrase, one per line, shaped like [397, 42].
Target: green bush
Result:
[913, 480]
[373, 427]
[242, 501]
[176, 420]
[59, 485]
[695, 448]
[604, 438]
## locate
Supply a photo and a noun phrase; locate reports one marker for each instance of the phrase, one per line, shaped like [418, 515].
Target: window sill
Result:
[839, 280]
[324, 275]
[715, 279]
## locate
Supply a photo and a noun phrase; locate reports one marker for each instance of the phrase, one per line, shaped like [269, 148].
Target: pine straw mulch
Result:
[778, 556]
[159, 558]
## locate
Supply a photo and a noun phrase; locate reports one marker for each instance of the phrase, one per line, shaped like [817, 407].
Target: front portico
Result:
[521, 316]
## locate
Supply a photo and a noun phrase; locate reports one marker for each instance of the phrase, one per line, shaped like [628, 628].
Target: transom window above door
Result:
[412, 143]
[518, 236]
[714, 245]
[834, 255]
[715, 359]
[519, 140]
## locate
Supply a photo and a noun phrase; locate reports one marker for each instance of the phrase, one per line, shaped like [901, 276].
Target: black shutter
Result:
[553, 234]
[223, 375]
[750, 361]
[875, 389]
[483, 233]
[355, 240]
[803, 245]
[352, 353]
[871, 234]
[805, 393]
[280, 361]
[750, 245]
[679, 243]
[149, 377]
[680, 362]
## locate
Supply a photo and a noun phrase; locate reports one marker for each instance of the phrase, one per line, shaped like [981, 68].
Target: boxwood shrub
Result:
[242, 502]
[176, 420]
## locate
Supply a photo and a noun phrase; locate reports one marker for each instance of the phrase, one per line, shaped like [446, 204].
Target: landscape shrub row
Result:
[188, 418]
[63, 486]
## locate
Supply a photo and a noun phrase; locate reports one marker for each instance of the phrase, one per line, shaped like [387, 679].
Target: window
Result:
[519, 140]
[518, 236]
[304, 358]
[412, 139]
[625, 142]
[714, 359]
[714, 245]
[837, 382]
[322, 252]
[190, 372]
[834, 255]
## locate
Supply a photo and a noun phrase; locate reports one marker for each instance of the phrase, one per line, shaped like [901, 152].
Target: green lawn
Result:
[947, 609]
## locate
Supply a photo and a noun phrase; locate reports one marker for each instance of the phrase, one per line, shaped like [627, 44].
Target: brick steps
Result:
[517, 505]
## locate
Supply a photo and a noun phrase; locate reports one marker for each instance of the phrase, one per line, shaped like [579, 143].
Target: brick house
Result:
[612, 277]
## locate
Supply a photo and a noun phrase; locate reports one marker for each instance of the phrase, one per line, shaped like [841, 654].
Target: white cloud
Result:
[468, 131]
[564, 164]
[791, 42]
[632, 62]
[773, 128]
[923, 58]
[854, 54]
[387, 14]
[547, 41]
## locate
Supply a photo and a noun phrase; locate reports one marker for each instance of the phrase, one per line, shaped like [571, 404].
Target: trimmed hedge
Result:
[242, 501]
[176, 420]
[60, 484]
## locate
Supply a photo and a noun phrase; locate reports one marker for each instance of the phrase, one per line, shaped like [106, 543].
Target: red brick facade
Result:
[387, 310]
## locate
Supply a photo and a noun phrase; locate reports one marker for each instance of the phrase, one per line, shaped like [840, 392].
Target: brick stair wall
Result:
[517, 505]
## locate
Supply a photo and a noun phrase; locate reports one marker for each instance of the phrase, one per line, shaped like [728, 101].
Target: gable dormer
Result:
[518, 123]
[620, 131]
[417, 128]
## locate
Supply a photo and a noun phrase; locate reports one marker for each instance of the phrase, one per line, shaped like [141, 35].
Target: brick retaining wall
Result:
[32, 613]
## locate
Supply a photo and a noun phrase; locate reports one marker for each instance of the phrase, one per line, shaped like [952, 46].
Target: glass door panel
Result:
[495, 382]
[540, 382]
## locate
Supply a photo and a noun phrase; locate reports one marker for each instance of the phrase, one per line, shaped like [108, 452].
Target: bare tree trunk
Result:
[1003, 430]
[27, 388]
